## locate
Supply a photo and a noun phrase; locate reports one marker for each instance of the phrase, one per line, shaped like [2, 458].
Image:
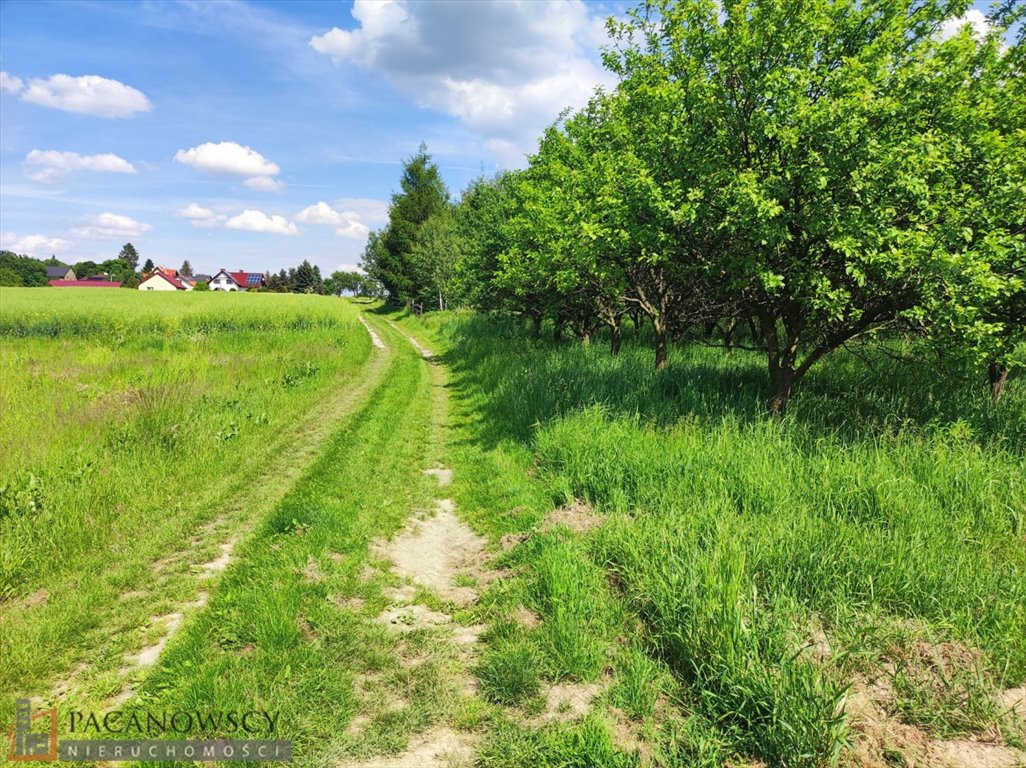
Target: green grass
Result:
[891, 501]
[744, 573]
[125, 430]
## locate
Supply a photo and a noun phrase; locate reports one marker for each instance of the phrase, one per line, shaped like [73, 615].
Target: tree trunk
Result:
[782, 379]
[728, 334]
[557, 331]
[614, 337]
[998, 375]
[586, 338]
[537, 326]
[659, 324]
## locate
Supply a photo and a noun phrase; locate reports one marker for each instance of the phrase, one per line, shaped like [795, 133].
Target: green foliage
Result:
[18, 270]
[202, 285]
[388, 257]
[129, 256]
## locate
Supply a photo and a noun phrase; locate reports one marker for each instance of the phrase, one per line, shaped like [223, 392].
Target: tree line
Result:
[785, 177]
[24, 271]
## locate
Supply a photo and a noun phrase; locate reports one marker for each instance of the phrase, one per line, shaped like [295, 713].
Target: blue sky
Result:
[254, 135]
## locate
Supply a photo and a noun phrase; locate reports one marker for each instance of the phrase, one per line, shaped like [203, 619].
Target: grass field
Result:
[752, 580]
[701, 584]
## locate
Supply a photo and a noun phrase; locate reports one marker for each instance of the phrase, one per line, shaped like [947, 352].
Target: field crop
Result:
[128, 422]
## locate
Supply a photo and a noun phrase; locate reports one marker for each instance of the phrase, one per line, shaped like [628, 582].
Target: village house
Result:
[164, 279]
[60, 273]
[236, 281]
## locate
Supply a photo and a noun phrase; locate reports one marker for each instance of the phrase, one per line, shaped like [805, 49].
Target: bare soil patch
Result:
[443, 476]
[375, 339]
[407, 618]
[433, 552]
[579, 517]
[879, 740]
[565, 702]
[437, 747]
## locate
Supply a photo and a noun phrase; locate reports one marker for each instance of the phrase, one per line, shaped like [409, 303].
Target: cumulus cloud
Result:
[229, 158]
[264, 184]
[51, 165]
[89, 95]
[10, 84]
[504, 69]
[976, 19]
[199, 216]
[369, 210]
[258, 221]
[39, 246]
[107, 225]
[346, 223]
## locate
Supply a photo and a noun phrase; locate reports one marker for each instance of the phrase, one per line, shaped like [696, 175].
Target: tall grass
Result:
[891, 496]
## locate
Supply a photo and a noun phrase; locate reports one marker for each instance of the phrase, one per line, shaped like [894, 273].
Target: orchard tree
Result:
[831, 133]
[438, 247]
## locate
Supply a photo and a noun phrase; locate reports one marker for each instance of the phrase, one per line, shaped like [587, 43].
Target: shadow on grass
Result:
[517, 382]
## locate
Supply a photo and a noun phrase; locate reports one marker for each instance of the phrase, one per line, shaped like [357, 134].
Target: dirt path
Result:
[435, 552]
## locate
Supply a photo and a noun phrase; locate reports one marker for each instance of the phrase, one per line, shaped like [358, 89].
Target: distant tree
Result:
[53, 261]
[202, 285]
[129, 255]
[278, 283]
[438, 247]
[30, 272]
[186, 268]
[10, 278]
[130, 280]
[318, 280]
[84, 269]
[423, 195]
[305, 279]
[148, 267]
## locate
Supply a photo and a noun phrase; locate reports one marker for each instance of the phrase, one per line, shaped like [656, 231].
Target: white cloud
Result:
[346, 223]
[9, 83]
[264, 184]
[976, 19]
[107, 225]
[51, 165]
[504, 69]
[199, 216]
[227, 157]
[90, 95]
[258, 221]
[369, 210]
[39, 246]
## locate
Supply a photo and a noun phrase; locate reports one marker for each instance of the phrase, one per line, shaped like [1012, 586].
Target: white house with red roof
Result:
[164, 279]
[236, 281]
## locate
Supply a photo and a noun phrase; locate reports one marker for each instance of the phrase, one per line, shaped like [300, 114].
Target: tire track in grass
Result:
[286, 457]
[291, 627]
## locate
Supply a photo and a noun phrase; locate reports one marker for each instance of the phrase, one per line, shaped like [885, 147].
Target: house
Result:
[159, 280]
[236, 281]
[60, 273]
[85, 283]
[201, 278]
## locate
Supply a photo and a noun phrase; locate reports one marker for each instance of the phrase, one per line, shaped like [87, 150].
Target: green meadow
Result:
[712, 586]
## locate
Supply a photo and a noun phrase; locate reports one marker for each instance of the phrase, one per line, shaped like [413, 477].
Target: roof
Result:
[202, 278]
[58, 271]
[166, 277]
[247, 279]
[85, 284]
